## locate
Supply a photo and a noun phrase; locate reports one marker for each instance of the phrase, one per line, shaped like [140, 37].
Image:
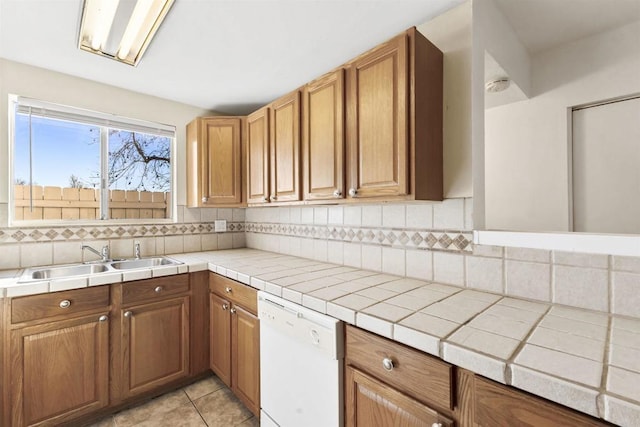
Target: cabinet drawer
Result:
[235, 292]
[35, 307]
[152, 289]
[419, 375]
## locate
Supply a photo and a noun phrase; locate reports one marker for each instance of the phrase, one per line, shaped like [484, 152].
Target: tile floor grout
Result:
[210, 404]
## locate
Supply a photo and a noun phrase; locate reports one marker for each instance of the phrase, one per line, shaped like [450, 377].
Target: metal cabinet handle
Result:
[65, 303]
[436, 425]
[228, 289]
[264, 199]
[128, 313]
[158, 289]
[273, 198]
[233, 311]
[337, 193]
[205, 199]
[225, 306]
[353, 192]
[387, 364]
[103, 318]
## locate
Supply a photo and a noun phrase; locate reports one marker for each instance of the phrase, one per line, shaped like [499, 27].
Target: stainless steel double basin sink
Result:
[72, 270]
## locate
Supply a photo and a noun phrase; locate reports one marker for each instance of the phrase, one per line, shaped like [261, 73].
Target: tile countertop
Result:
[586, 360]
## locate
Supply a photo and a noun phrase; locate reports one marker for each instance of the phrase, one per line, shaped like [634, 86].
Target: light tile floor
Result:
[206, 403]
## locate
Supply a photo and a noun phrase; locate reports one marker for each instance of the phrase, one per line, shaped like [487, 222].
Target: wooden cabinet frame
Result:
[214, 161]
[323, 137]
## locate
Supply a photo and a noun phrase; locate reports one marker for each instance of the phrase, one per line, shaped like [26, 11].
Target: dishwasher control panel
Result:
[308, 326]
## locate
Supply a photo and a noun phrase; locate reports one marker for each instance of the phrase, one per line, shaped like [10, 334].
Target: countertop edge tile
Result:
[619, 411]
[572, 395]
[481, 364]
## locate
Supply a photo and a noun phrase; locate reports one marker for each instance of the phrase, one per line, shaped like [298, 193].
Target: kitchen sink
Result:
[143, 263]
[72, 270]
[62, 271]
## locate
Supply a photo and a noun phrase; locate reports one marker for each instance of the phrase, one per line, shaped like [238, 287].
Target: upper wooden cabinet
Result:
[273, 152]
[214, 165]
[323, 137]
[394, 120]
[258, 156]
[285, 148]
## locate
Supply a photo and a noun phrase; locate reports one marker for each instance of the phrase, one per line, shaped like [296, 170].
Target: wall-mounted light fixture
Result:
[121, 29]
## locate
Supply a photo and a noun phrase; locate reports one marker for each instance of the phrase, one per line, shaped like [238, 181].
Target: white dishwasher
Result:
[301, 354]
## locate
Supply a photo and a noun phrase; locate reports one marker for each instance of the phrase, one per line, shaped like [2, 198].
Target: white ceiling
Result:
[229, 56]
[543, 24]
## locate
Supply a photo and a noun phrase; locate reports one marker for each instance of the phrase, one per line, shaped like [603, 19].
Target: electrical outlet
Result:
[220, 225]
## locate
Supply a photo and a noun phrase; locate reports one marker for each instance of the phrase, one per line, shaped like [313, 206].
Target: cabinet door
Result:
[258, 156]
[220, 340]
[155, 344]
[246, 358]
[378, 121]
[323, 138]
[285, 148]
[59, 371]
[497, 405]
[371, 403]
[222, 174]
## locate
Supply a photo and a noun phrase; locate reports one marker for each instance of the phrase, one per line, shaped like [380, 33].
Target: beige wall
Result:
[526, 143]
[39, 83]
[451, 33]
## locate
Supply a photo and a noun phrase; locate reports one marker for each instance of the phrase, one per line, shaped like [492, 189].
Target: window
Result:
[71, 164]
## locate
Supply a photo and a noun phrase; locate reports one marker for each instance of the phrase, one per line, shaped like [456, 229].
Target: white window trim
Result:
[107, 120]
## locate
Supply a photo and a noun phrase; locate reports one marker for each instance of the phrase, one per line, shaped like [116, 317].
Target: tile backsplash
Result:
[427, 241]
[61, 244]
[433, 241]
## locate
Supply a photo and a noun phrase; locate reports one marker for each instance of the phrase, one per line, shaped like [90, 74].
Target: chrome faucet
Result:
[104, 252]
[136, 249]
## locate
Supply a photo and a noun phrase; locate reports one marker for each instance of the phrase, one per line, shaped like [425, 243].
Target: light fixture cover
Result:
[497, 85]
[121, 29]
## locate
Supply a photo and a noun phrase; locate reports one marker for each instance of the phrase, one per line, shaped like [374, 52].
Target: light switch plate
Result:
[220, 225]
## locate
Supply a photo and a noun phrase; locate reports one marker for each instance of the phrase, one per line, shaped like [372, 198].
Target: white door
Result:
[606, 168]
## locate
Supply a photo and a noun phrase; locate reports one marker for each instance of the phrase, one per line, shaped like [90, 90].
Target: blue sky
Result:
[60, 149]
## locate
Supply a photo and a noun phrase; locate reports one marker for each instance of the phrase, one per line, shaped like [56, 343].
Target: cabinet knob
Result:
[65, 303]
[337, 193]
[233, 311]
[103, 318]
[264, 199]
[128, 313]
[205, 199]
[387, 364]
[436, 425]
[273, 198]
[228, 289]
[158, 289]
[353, 192]
[225, 306]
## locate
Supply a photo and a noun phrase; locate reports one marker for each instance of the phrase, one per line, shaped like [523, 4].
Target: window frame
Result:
[104, 121]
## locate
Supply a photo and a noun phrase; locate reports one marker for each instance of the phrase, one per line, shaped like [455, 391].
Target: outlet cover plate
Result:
[220, 225]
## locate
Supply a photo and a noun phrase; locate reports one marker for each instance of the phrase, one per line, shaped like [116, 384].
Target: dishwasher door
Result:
[301, 369]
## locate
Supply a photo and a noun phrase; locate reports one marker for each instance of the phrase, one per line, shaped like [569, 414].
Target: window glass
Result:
[139, 163]
[71, 165]
[59, 158]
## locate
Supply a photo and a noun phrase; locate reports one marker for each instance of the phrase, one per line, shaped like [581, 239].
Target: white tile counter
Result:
[586, 360]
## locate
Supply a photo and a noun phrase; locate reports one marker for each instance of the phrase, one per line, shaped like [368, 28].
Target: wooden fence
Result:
[84, 203]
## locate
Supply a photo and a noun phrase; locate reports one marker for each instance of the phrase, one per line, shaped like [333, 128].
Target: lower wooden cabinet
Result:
[497, 405]
[69, 355]
[235, 339]
[372, 403]
[155, 345]
[59, 370]
[388, 384]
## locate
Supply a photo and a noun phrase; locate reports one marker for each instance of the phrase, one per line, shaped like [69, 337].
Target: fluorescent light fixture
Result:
[121, 29]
